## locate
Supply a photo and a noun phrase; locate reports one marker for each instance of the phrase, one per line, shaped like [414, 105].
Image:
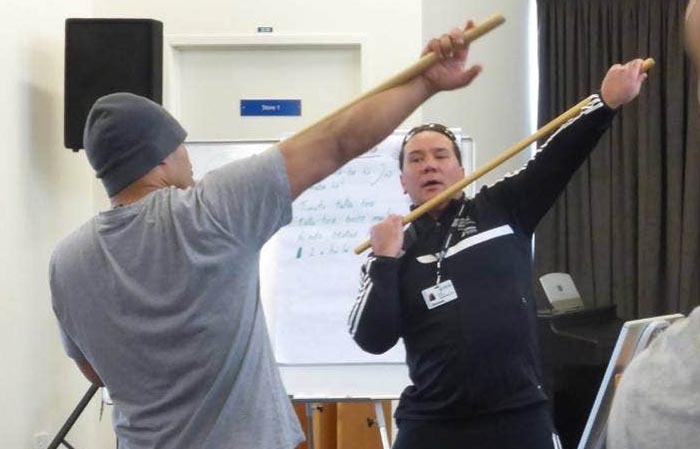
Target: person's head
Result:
[430, 161]
[127, 136]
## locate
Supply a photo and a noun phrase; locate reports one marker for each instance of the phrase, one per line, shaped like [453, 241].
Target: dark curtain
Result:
[628, 226]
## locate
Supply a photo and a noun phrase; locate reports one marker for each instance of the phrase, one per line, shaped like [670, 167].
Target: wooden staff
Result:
[510, 152]
[424, 63]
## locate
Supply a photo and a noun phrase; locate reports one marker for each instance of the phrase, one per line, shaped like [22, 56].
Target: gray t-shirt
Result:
[657, 403]
[161, 297]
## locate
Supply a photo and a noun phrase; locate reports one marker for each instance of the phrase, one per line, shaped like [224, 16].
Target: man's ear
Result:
[403, 186]
[167, 159]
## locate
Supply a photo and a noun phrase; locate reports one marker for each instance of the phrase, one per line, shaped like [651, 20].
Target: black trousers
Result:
[525, 428]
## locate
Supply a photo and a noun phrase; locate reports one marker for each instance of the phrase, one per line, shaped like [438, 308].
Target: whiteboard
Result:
[310, 276]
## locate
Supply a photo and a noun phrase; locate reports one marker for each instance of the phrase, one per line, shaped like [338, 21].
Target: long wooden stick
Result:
[424, 63]
[507, 154]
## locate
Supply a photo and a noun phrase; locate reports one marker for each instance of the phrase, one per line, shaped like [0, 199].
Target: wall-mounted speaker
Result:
[104, 56]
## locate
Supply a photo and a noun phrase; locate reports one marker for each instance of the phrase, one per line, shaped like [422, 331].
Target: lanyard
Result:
[453, 229]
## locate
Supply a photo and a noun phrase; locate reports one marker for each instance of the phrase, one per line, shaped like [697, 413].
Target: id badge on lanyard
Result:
[443, 291]
[439, 294]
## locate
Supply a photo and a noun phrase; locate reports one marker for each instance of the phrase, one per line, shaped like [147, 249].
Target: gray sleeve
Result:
[69, 345]
[251, 197]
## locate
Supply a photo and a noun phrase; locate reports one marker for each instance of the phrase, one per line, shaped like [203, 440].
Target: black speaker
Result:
[104, 56]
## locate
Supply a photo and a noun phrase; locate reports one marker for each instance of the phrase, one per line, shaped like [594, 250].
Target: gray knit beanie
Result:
[126, 136]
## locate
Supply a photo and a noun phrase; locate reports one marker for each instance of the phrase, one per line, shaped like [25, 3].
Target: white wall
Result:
[393, 33]
[494, 110]
[47, 191]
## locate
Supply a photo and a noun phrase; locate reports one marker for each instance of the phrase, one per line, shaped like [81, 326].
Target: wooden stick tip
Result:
[498, 18]
[492, 22]
[360, 249]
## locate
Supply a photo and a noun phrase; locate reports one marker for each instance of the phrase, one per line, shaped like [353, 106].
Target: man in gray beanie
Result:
[157, 298]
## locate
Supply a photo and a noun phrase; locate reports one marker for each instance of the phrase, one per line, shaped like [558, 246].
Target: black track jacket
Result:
[478, 354]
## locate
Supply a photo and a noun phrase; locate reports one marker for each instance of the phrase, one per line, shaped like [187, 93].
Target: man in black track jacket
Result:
[456, 286]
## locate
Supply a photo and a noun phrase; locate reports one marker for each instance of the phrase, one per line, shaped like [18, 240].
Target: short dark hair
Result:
[435, 127]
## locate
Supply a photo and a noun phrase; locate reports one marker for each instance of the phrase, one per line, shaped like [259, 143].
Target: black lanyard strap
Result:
[454, 227]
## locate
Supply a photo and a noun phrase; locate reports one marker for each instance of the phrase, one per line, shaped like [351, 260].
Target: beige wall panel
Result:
[212, 82]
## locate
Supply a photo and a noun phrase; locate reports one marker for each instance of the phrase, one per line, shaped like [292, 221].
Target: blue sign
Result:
[270, 107]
